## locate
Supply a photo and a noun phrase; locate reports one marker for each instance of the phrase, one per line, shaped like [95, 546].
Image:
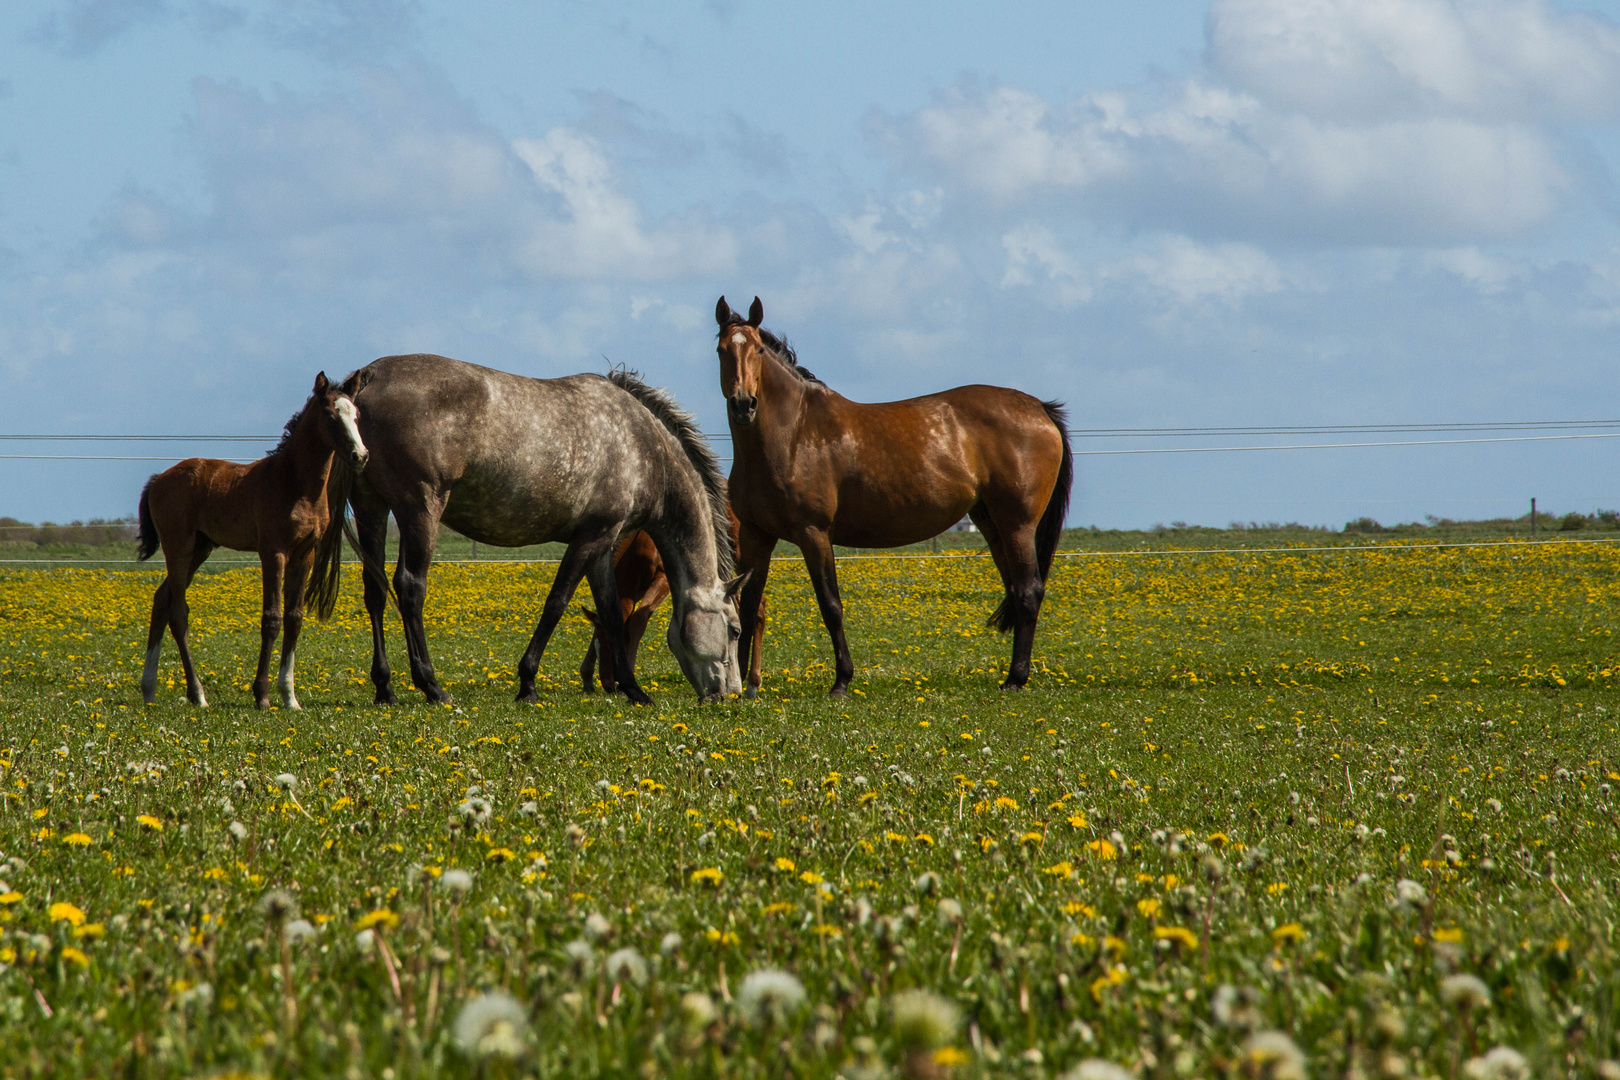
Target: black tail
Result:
[1049, 530]
[326, 576]
[149, 534]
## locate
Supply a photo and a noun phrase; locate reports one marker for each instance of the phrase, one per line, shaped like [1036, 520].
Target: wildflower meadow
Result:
[1325, 813]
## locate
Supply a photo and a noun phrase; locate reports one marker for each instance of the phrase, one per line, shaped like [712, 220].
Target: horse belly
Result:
[516, 509]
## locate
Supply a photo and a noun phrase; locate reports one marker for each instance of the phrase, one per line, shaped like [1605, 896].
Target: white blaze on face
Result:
[347, 416]
[738, 339]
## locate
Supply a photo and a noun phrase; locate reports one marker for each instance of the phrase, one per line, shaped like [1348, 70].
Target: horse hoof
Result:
[386, 696]
[529, 697]
[638, 698]
[262, 704]
[587, 688]
[1012, 684]
[435, 696]
[838, 691]
[751, 693]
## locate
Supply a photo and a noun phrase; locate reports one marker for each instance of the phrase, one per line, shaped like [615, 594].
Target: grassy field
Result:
[1338, 814]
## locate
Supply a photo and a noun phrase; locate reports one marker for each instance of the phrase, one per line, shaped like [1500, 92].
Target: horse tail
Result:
[326, 577]
[1049, 530]
[148, 529]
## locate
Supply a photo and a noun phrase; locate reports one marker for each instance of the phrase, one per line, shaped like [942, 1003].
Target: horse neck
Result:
[782, 397]
[683, 532]
[307, 457]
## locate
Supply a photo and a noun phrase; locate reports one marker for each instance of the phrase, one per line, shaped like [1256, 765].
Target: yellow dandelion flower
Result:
[41, 812]
[924, 838]
[12, 897]
[500, 854]
[1075, 907]
[1277, 888]
[65, 912]
[1102, 849]
[1148, 908]
[1063, 869]
[1218, 840]
[898, 838]
[784, 864]
[1451, 935]
[75, 956]
[810, 877]
[947, 1056]
[381, 917]
[1178, 934]
[90, 930]
[1004, 803]
[709, 875]
[781, 907]
[1032, 838]
[147, 821]
[1288, 932]
[77, 839]
[1078, 821]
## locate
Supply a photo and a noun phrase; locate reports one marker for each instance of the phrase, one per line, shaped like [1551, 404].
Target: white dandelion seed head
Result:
[924, 1021]
[705, 840]
[456, 882]
[948, 912]
[286, 781]
[474, 810]
[529, 809]
[492, 1025]
[985, 750]
[597, 928]
[1409, 893]
[581, 957]
[299, 930]
[697, 1011]
[278, 905]
[602, 787]
[858, 780]
[670, 944]
[1097, 1069]
[1608, 1070]
[927, 884]
[574, 835]
[365, 941]
[238, 831]
[1276, 1055]
[1361, 833]
[1465, 992]
[626, 966]
[1498, 1063]
[767, 995]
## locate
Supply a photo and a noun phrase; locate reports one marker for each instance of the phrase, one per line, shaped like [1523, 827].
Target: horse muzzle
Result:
[742, 407]
[358, 459]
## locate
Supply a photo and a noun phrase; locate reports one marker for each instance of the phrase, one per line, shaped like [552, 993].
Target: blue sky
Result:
[1246, 212]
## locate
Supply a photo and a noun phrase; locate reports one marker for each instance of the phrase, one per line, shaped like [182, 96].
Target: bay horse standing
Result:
[277, 506]
[639, 574]
[812, 467]
[507, 460]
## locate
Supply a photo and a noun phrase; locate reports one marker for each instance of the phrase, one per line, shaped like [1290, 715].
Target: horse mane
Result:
[680, 424]
[777, 348]
[289, 427]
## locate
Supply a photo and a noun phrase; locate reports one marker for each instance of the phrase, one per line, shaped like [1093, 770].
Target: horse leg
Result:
[753, 557]
[580, 554]
[818, 560]
[587, 667]
[757, 657]
[1014, 553]
[617, 662]
[292, 624]
[179, 580]
[371, 528]
[273, 564]
[416, 536]
[154, 641]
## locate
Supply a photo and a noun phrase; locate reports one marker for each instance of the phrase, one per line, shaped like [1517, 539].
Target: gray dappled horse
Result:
[507, 461]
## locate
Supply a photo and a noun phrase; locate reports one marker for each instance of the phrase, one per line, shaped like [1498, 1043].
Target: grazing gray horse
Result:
[507, 460]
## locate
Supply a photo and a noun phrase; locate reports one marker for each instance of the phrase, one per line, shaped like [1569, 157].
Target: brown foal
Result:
[639, 573]
[813, 468]
[276, 506]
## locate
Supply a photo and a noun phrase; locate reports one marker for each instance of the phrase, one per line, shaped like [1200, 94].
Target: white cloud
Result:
[1350, 121]
[1192, 272]
[1485, 273]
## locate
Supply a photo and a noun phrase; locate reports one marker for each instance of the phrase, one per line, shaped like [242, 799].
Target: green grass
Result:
[1238, 717]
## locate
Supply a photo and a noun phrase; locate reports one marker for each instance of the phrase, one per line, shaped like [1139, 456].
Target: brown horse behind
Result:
[276, 506]
[642, 586]
[812, 467]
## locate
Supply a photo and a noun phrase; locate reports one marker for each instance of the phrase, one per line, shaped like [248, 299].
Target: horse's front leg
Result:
[293, 623]
[818, 560]
[579, 555]
[154, 642]
[371, 529]
[754, 550]
[182, 567]
[273, 564]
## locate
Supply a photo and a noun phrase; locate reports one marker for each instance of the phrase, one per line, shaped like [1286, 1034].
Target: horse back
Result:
[218, 499]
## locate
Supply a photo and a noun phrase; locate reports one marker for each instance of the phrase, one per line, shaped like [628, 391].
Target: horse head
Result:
[741, 356]
[704, 630]
[338, 423]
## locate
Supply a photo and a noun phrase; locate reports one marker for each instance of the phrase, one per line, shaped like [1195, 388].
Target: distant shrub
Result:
[1363, 525]
[1571, 522]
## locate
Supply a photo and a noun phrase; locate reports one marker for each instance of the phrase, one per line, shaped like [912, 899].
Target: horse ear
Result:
[722, 312]
[756, 313]
[351, 385]
[735, 585]
[320, 383]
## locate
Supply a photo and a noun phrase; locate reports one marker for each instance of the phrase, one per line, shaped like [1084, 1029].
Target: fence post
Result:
[1532, 517]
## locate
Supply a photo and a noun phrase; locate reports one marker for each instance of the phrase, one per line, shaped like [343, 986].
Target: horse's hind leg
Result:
[582, 554]
[618, 663]
[635, 623]
[416, 536]
[587, 666]
[181, 570]
[371, 529]
[753, 558]
[154, 641]
[1013, 549]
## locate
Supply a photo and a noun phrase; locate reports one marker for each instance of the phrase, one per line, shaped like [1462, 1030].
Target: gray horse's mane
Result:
[681, 425]
[777, 348]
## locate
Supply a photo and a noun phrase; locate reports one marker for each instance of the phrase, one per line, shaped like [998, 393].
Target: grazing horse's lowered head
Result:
[704, 630]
